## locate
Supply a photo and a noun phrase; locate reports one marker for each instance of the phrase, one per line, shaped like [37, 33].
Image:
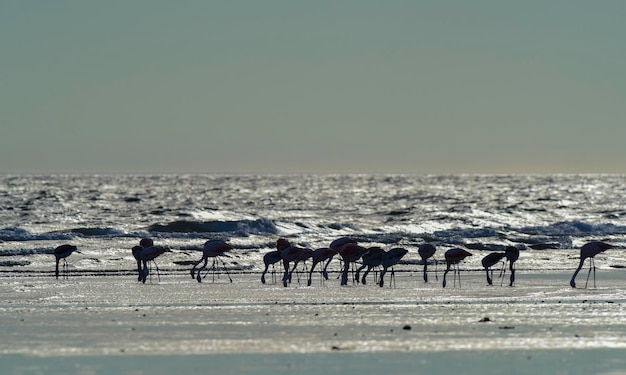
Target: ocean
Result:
[101, 315]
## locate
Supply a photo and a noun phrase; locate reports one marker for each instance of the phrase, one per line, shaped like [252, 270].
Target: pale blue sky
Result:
[312, 86]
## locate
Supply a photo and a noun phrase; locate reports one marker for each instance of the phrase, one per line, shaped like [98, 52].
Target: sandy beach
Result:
[88, 324]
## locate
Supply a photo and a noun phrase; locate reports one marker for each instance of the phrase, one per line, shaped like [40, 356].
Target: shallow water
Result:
[113, 315]
[101, 320]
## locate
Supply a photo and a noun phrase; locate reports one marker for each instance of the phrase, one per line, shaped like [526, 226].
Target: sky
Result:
[289, 86]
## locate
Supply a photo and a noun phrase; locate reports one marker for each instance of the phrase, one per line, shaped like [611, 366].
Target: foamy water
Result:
[101, 311]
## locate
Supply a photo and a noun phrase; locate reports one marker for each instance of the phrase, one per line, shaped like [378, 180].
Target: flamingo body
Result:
[210, 249]
[350, 253]
[269, 259]
[454, 257]
[60, 253]
[391, 258]
[321, 255]
[512, 255]
[373, 258]
[590, 250]
[489, 261]
[426, 251]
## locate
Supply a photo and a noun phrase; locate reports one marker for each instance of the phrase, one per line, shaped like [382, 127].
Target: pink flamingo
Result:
[62, 252]
[391, 258]
[426, 251]
[372, 259]
[350, 253]
[454, 257]
[590, 250]
[489, 261]
[211, 249]
[320, 255]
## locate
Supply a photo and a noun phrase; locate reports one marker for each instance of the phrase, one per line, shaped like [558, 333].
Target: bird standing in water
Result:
[391, 258]
[427, 251]
[453, 258]
[62, 252]
[269, 259]
[512, 255]
[211, 249]
[590, 250]
[489, 261]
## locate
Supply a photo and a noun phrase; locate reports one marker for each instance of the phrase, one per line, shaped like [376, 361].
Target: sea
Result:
[548, 217]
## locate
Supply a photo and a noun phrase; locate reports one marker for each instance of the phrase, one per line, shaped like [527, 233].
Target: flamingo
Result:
[137, 254]
[590, 250]
[337, 245]
[146, 242]
[373, 258]
[454, 257]
[62, 252]
[303, 256]
[269, 259]
[148, 254]
[211, 249]
[426, 251]
[489, 261]
[320, 255]
[350, 252]
[391, 258]
[288, 253]
[512, 255]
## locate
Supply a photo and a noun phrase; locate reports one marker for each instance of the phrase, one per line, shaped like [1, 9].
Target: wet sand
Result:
[113, 324]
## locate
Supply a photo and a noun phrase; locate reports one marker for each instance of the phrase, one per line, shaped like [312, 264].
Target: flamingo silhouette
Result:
[304, 255]
[350, 253]
[288, 253]
[336, 245]
[590, 250]
[62, 252]
[149, 254]
[489, 261]
[211, 249]
[137, 254]
[321, 255]
[426, 251]
[391, 258]
[269, 259]
[371, 259]
[454, 257]
[512, 255]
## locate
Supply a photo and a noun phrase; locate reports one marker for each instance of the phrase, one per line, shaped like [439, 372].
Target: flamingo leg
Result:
[325, 272]
[157, 268]
[225, 270]
[512, 268]
[589, 273]
[198, 276]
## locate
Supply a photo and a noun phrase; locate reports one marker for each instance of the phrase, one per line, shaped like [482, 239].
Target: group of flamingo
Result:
[346, 248]
[350, 252]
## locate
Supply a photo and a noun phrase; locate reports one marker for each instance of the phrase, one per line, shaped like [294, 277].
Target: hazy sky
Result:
[312, 86]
